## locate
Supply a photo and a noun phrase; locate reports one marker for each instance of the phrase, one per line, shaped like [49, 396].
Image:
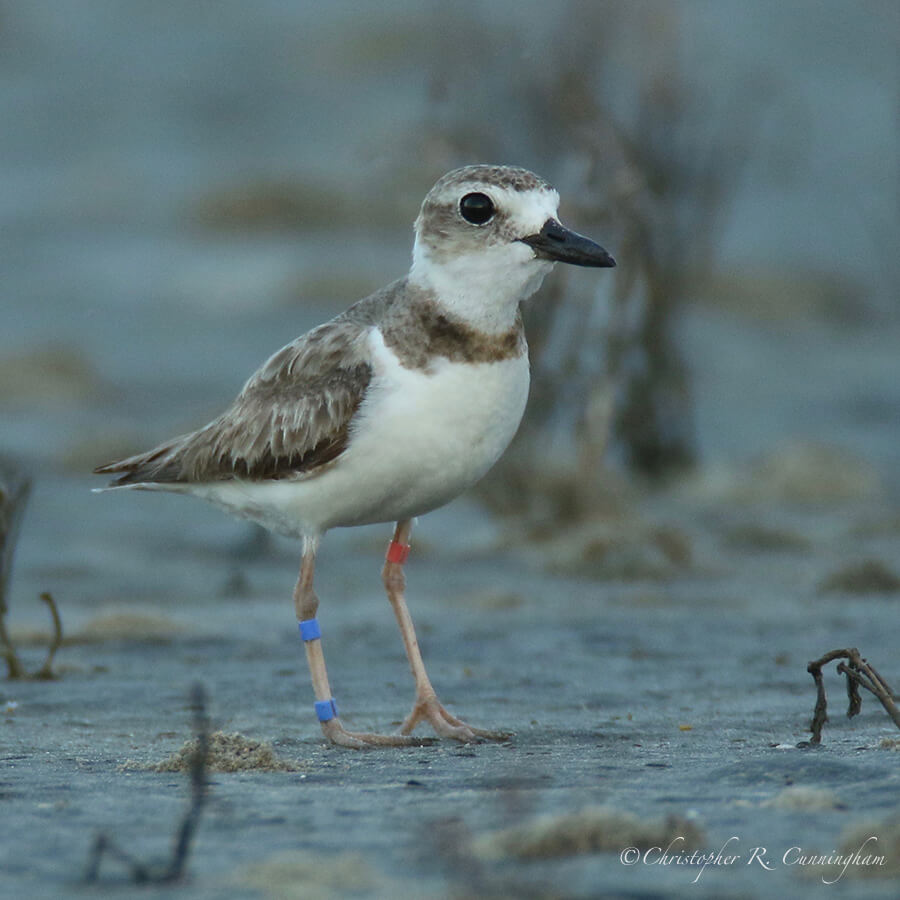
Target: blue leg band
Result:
[326, 710]
[309, 630]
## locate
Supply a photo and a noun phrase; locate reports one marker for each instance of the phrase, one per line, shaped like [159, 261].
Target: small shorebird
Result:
[389, 410]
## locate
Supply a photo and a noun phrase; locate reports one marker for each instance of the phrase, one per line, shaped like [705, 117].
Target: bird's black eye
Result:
[476, 208]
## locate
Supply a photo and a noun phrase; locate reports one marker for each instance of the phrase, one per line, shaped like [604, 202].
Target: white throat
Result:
[485, 288]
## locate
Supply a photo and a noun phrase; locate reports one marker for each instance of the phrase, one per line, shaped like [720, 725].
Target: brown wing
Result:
[291, 417]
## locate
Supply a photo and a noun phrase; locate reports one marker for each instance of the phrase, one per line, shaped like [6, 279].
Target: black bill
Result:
[555, 242]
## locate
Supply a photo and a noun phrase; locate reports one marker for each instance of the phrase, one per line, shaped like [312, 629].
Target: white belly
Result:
[419, 439]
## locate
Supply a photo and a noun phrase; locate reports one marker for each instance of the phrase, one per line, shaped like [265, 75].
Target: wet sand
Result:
[685, 694]
[163, 220]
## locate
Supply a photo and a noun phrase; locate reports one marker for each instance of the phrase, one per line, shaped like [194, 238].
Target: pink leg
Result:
[426, 704]
[306, 603]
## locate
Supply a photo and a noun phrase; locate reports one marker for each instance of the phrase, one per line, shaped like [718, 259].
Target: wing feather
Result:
[292, 417]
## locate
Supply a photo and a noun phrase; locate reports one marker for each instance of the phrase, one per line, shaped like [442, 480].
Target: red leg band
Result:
[397, 552]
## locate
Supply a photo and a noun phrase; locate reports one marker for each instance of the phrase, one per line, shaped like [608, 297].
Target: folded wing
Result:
[292, 417]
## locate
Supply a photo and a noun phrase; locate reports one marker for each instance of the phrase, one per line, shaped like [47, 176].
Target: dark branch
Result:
[199, 760]
[46, 670]
[15, 486]
[859, 674]
[142, 873]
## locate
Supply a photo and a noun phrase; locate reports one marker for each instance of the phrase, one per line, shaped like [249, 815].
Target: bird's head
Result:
[487, 236]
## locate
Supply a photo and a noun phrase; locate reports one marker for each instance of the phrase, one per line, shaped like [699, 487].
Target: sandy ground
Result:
[653, 665]
[680, 695]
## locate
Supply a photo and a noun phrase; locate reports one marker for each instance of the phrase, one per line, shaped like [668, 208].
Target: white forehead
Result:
[530, 208]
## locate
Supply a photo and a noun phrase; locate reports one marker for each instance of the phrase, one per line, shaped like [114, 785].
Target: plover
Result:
[389, 410]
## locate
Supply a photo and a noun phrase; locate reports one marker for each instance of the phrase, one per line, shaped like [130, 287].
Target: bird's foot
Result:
[445, 724]
[338, 735]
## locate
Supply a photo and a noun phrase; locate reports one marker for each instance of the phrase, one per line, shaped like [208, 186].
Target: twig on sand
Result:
[46, 670]
[859, 674]
[16, 671]
[173, 870]
[15, 486]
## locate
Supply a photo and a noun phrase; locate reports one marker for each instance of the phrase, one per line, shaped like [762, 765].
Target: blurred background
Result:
[185, 187]
[704, 494]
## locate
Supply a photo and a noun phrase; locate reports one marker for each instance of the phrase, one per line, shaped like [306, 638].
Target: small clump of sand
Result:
[867, 850]
[803, 798]
[125, 625]
[594, 829]
[307, 876]
[227, 752]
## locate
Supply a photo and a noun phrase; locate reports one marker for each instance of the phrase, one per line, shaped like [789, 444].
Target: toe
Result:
[338, 735]
[446, 725]
[487, 735]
